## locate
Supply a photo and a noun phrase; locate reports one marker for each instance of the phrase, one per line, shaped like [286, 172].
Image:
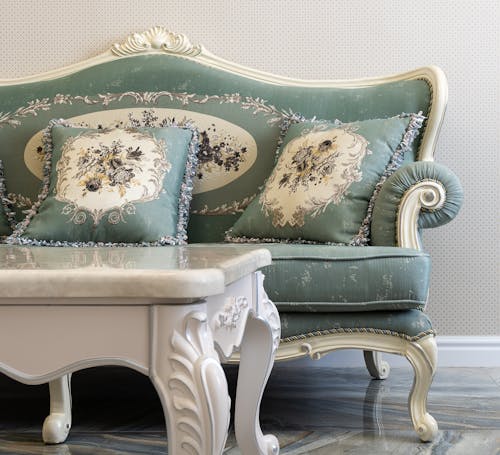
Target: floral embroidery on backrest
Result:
[218, 149]
[226, 153]
[106, 172]
[313, 171]
[231, 151]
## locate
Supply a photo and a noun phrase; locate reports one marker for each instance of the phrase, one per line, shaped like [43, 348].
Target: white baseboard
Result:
[453, 351]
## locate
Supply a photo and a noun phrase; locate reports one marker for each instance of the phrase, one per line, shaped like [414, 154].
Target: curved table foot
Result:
[58, 423]
[256, 360]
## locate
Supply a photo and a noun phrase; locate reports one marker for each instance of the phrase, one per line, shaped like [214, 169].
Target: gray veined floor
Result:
[318, 411]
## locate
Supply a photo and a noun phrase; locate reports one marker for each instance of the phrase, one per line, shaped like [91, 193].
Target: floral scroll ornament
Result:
[313, 171]
[218, 153]
[105, 172]
[218, 149]
[232, 312]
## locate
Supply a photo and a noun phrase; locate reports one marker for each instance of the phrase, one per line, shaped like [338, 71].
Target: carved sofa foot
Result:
[376, 366]
[422, 355]
[58, 423]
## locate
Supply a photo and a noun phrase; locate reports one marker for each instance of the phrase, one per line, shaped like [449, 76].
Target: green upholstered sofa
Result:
[330, 297]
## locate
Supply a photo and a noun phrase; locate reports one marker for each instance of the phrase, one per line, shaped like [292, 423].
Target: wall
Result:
[327, 39]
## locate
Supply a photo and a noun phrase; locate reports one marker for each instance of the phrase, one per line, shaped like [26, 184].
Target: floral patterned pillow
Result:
[324, 184]
[112, 187]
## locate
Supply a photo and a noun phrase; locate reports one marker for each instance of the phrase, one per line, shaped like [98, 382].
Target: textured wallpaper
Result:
[325, 39]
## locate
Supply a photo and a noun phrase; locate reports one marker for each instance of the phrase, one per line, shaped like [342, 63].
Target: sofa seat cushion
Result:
[409, 324]
[325, 278]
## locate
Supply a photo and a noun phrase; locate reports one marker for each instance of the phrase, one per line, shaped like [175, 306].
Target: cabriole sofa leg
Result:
[58, 423]
[377, 367]
[422, 355]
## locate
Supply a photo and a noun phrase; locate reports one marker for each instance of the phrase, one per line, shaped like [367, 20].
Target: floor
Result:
[317, 411]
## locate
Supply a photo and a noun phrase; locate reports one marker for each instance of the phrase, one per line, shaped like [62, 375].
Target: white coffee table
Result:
[172, 313]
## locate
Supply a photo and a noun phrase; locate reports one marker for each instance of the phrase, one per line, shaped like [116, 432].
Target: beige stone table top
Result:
[169, 272]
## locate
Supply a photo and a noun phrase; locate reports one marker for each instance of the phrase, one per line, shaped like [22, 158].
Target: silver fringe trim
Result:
[19, 201]
[242, 239]
[412, 131]
[6, 203]
[358, 330]
[184, 201]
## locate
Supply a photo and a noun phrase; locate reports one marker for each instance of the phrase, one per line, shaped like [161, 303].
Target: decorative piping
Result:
[357, 330]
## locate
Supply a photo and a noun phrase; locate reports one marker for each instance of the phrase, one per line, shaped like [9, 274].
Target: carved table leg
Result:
[258, 348]
[192, 386]
[58, 423]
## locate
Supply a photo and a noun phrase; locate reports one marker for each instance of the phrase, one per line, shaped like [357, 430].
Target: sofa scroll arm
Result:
[421, 195]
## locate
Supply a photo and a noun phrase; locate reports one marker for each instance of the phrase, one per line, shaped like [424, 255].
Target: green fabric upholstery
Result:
[318, 288]
[247, 104]
[383, 230]
[324, 278]
[409, 323]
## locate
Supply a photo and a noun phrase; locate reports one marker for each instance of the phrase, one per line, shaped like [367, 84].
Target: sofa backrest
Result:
[160, 75]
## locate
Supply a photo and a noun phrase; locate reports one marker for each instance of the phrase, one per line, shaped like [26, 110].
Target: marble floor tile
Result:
[341, 442]
[312, 411]
[495, 375]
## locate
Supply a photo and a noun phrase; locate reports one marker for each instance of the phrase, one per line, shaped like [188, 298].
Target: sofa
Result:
[338, 280]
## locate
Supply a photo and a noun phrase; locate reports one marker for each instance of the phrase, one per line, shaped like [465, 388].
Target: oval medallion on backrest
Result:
[227, 151]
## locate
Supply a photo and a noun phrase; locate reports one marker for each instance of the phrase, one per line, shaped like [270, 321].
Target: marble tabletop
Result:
[190, 271]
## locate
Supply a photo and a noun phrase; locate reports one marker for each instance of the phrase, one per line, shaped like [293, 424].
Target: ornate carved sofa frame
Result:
[329, 297]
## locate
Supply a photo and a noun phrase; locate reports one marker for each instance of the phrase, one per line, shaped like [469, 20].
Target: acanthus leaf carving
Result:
[269, 311]
[157, 39]
[195, 386]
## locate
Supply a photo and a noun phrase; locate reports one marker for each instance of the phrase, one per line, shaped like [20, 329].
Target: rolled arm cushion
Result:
[385, 211]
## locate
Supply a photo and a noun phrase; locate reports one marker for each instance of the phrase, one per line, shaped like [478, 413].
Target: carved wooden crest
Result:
[157, 39]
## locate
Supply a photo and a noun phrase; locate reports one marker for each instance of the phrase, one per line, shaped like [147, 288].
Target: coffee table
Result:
[172, 313]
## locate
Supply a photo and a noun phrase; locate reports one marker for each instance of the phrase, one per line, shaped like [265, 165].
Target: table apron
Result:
[41, 343]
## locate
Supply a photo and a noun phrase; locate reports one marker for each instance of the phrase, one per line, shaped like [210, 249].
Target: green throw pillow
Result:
[6, 213]
[324, 184]
[112, 187]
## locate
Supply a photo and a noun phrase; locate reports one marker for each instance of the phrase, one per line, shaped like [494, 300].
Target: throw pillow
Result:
[327, 176]
[112, 187]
